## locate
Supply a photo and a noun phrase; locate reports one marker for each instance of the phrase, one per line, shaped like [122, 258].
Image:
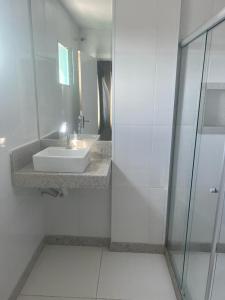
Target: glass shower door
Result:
[207, 173]
[192, 61]
[218, 288]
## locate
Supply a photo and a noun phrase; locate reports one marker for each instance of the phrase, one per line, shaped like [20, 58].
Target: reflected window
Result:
[63, 56]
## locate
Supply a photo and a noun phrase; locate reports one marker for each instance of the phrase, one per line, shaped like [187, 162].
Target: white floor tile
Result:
[65, 272]
[219, 287]
[134, 276]
[195, 280]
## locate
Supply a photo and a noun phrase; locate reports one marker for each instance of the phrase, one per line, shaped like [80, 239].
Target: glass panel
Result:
[218, 290]
[216, 87]
[207, 168]
[184, 148]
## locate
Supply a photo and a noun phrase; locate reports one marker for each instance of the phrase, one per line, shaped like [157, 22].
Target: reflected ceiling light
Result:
[2, 142]
[63, 128]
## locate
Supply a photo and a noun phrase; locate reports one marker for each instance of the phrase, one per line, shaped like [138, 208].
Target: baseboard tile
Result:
[23, 278]
[67, 240]
[197, 247]
[136, 247]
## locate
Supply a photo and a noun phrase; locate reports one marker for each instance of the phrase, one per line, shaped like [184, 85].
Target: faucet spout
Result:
[68, 140]
[80, 123]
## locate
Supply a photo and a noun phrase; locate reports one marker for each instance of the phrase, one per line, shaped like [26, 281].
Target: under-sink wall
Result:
[82, 213]
[21, 211]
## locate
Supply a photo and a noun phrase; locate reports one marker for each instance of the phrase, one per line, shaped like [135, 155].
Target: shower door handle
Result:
[213, 190]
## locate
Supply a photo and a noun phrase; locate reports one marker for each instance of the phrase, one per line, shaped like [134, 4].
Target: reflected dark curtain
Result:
[104, 82]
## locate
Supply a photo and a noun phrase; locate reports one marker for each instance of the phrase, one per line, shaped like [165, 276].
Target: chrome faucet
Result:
[68, 139]
[81, 122]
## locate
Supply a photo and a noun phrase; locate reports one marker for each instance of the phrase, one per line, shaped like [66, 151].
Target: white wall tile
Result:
[128, 176]
[164, 91]
[160, 156]
[142, 155]
[132, 146]
[145, 72]
[138, 214]
[136, 26]
[166, 62]
[134, 93]
[135, 54]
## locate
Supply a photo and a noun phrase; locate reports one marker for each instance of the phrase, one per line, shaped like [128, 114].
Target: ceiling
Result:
[94, 14]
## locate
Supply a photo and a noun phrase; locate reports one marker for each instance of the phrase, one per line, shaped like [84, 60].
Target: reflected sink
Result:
[83, 136]
[61, 159]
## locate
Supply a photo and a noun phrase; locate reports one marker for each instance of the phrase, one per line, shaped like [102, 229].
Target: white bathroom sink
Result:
[61, 159]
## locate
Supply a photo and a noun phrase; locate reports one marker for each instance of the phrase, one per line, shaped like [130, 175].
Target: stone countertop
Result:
[97, 175]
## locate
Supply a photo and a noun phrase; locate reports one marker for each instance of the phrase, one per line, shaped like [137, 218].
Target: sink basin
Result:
[61, 159]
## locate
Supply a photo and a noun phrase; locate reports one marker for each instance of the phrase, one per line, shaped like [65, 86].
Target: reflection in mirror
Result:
[73, 62]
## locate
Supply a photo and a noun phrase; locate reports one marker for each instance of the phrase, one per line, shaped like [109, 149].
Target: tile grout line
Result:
[56, 297]
[98, 277]
[96, 295]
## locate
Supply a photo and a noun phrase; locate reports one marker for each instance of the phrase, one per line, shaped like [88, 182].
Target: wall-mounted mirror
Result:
[73, 61]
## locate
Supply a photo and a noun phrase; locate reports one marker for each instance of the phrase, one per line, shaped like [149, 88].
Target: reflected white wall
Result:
[97, 43]
[56, 103]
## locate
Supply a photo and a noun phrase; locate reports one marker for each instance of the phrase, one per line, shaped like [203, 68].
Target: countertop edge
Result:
[33, 179]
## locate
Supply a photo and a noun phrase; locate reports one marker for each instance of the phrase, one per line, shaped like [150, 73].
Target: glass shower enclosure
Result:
[196, 221]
